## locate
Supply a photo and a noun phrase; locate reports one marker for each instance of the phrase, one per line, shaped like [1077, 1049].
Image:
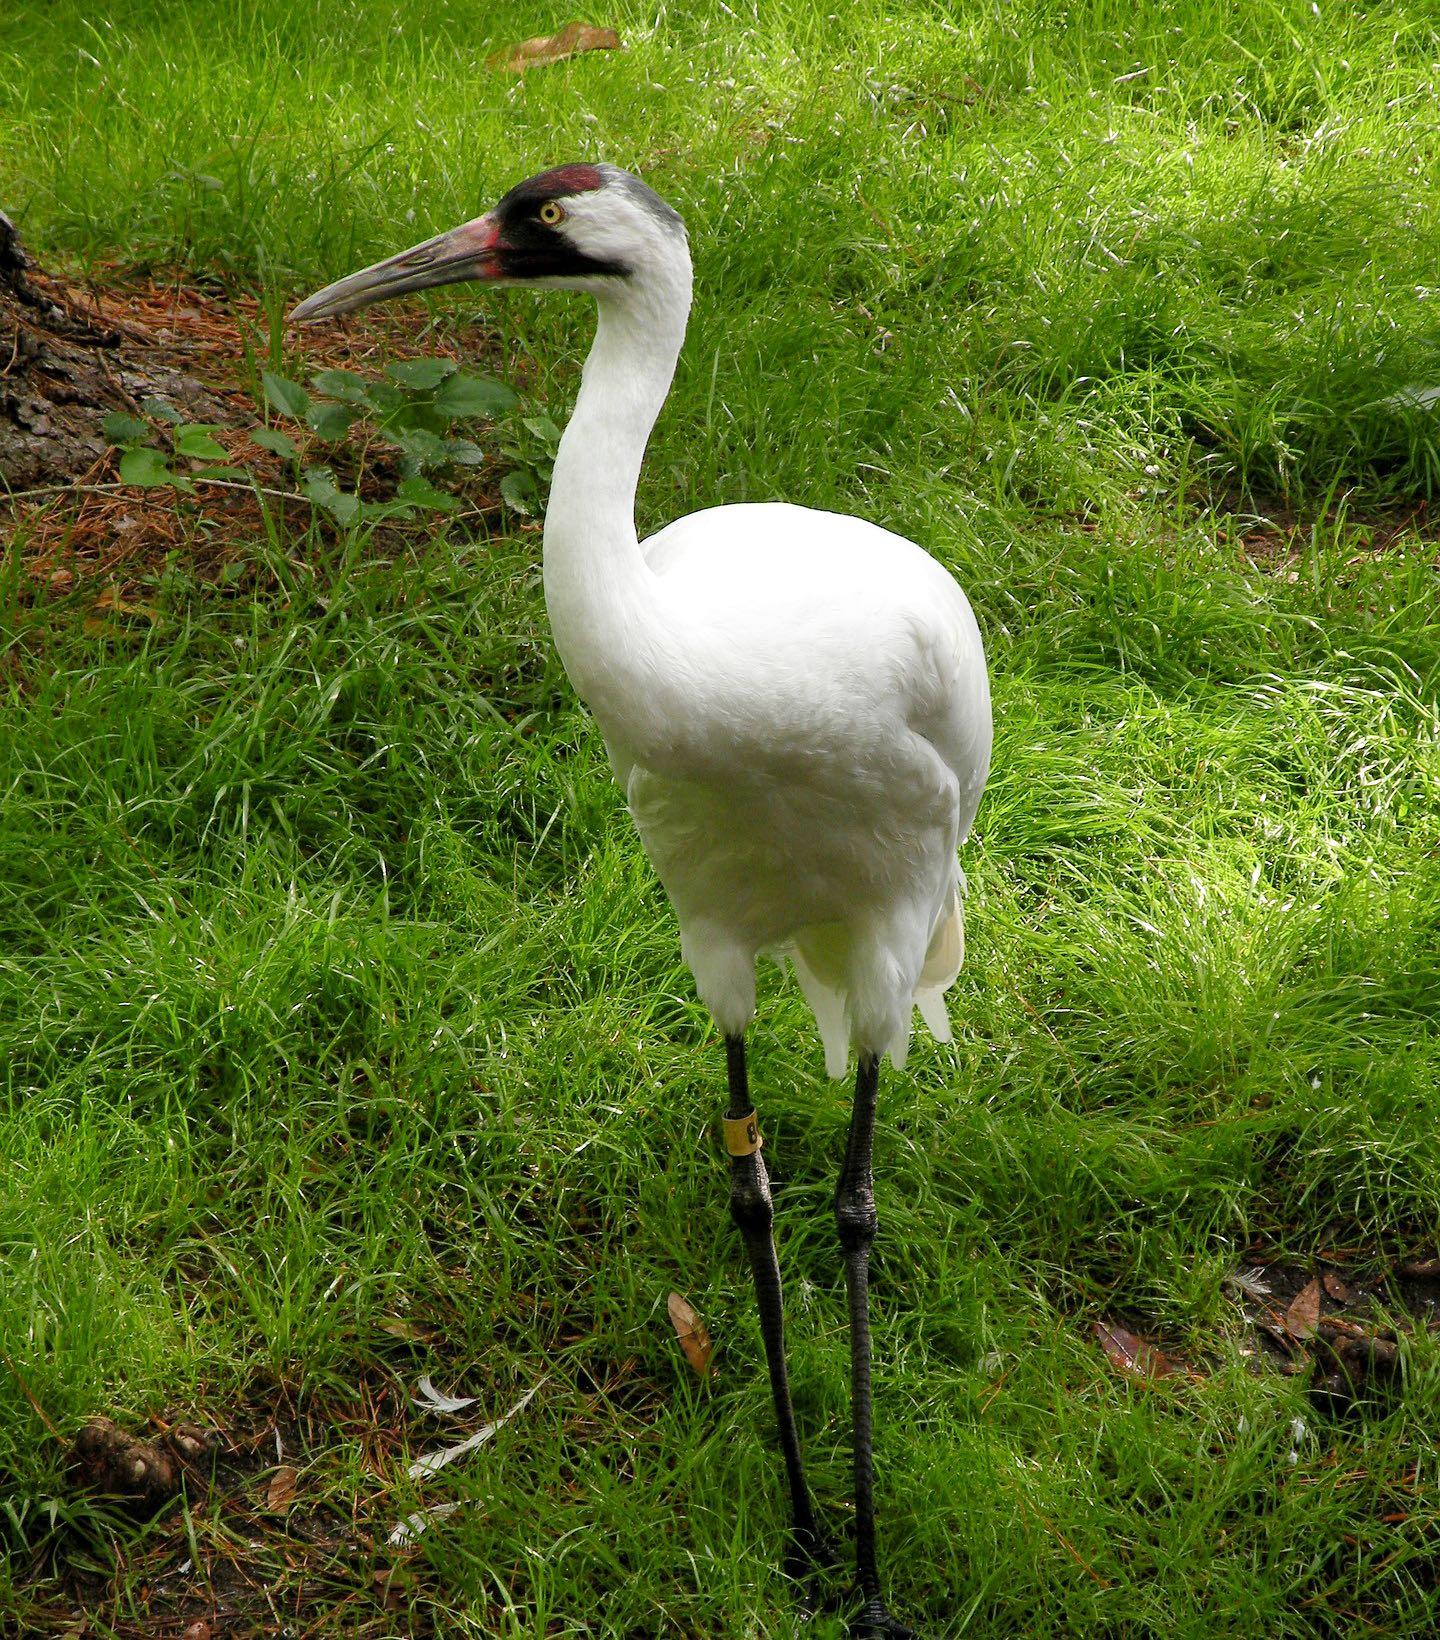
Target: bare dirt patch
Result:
[1343, 1321]
[77, 350]
[287, 1516]
[1272, 534]
[255, 1541]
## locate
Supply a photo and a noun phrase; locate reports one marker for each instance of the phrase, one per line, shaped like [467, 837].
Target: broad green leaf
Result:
[271, 438]
[421, 413]
[464, 452]
[288, 397]
[122, 429]
[420, 374]
[331, 421]
[422, 448]
[319, 484]
[161, 410]
[422, 493]
[238, 474]
[518, 492]
[144, 466]
[544, 429]
[388, 509]
[197, 443]
[341, 384]
[383, 398]
[474, 396]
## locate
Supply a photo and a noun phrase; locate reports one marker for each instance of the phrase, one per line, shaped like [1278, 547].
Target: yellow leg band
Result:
[742, 1135]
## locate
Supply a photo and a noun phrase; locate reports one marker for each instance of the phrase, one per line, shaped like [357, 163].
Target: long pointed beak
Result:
[471, 251]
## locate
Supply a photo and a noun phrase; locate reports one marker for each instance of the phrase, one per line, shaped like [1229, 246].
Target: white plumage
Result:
[795, 702]
[838, 739]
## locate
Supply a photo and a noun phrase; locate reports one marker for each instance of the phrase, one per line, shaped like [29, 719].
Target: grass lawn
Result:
[343, 1028]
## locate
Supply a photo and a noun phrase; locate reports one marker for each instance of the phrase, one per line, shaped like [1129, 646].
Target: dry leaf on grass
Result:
[410, 1331]
[1336, 1288]
[1132, 1354]
[390, 1584]
[1303, 1316]
[281, 1491]
[111, 600]
[692, 1332]
[554, 48]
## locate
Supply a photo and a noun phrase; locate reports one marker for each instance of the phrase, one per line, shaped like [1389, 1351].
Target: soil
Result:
[71, 351]
[259, 1546]
[1272, 534]
[1342, 1320]
[67, 363]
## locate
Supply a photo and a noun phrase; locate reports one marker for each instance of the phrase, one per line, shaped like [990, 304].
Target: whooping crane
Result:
[796, 707]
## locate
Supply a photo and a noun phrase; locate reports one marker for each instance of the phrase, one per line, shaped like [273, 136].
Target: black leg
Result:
[857, 1222]
[753, 1211]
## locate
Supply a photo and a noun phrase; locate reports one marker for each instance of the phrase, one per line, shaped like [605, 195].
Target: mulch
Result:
[199, 345]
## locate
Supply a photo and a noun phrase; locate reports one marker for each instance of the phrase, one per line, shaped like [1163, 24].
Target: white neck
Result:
[605, 607]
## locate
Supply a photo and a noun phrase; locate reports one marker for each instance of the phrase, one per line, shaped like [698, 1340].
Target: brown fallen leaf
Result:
[554, 48]
[1336, 1288]
[692, 1332]
[1303, 1316]
[110, 599]
[280, 1493]
[410, 1331]
[390, 1584]
[96, 626]
[1132, 1354]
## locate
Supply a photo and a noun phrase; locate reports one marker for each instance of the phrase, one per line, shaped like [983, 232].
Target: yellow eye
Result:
[551, 213]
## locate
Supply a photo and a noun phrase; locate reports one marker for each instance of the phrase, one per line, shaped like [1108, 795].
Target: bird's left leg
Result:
[753, 1211]
[857, 1221]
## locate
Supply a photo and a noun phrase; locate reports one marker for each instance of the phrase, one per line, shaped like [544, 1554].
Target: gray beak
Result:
[471, 251]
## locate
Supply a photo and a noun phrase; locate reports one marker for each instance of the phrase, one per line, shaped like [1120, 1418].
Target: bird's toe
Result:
[875, 1623]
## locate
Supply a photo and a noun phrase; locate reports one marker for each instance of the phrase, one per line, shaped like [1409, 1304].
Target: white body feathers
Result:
[795, 702]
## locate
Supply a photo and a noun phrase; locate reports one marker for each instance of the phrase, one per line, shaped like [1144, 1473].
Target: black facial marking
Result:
[538, 250]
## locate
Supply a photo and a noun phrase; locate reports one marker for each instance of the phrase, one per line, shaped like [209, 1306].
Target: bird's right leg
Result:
[857, 1222]
[753, 1211]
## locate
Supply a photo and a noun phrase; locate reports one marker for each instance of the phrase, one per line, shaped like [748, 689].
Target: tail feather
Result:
[942, 964]
[827, 1003]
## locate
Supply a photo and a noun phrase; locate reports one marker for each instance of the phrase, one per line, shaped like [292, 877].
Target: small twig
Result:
[1065, 1542]
[29, 1395]
[221, 483]
[108, 489]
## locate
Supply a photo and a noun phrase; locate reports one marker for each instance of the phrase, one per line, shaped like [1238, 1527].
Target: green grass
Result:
[337, 1001]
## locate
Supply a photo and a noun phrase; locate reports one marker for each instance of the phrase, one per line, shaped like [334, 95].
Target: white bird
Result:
[796, 706]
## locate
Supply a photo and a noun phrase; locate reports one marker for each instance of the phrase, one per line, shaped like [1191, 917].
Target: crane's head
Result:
[594, 228]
